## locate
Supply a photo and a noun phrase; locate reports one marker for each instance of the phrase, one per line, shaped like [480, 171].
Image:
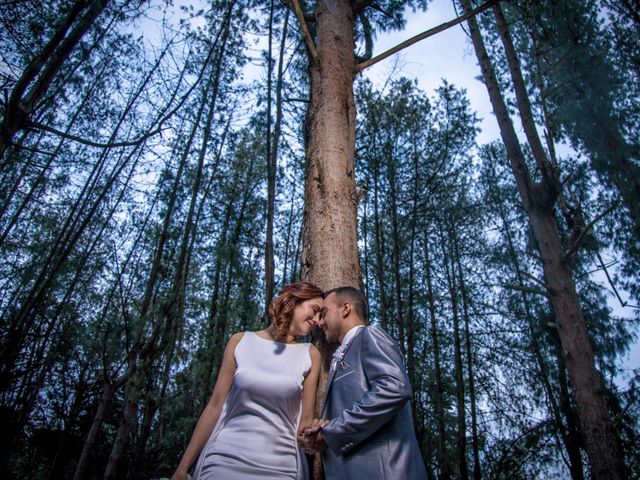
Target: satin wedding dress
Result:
[255, 437]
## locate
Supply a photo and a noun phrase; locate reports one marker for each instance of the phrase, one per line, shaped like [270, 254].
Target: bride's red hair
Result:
[281, 308]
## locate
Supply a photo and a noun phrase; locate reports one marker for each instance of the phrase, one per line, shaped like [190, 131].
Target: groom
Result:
[366, 431]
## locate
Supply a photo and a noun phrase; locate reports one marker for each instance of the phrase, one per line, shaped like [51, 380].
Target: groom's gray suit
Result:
[370, 434]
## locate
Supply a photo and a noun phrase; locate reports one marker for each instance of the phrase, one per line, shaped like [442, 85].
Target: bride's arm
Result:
[211, 412]
[309, 389]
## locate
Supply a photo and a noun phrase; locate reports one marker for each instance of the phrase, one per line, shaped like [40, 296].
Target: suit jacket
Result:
[368, 402]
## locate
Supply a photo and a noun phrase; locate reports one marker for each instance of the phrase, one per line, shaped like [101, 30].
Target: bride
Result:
[266, 388]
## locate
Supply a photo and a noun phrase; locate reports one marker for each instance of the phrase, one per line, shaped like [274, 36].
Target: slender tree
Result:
[538, 200]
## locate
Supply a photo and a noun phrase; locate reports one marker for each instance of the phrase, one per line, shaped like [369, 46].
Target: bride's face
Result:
[305, 317]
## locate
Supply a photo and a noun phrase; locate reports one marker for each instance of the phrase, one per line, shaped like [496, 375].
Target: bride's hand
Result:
[180, 475]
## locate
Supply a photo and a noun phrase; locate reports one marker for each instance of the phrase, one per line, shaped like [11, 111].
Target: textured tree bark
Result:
[412, 275]
[572, 438]
[602, 444]
[330, 224]
[330, 229]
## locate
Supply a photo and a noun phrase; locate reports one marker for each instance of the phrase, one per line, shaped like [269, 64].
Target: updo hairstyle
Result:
[281, 308]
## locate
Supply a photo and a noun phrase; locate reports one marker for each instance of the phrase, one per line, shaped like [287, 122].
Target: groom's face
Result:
[331, 320]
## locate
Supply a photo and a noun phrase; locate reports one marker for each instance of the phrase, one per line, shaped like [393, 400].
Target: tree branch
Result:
[578, 242]
[378, 8]
[613, 286]
[91, 143]
[368, 38]
[305, 31]
[524, 289]
[160, 122]
[359, 5]
[533, 277]
[426, 34]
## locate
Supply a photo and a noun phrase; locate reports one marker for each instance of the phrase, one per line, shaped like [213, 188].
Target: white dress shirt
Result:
[337, 355]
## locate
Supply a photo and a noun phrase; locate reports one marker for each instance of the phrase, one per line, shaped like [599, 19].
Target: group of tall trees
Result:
[152, 199]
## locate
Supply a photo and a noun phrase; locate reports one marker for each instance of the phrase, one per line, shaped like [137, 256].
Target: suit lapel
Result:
[332, 373]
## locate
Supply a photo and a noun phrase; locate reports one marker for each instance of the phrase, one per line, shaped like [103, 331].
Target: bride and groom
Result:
[259, 419]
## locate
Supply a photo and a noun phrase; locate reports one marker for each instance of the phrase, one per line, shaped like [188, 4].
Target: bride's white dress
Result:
[255, 437]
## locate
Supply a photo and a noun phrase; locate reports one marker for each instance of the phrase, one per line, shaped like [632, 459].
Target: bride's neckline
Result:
[276, 341]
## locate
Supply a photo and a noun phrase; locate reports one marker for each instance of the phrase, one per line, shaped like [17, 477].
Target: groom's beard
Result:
[319, 339]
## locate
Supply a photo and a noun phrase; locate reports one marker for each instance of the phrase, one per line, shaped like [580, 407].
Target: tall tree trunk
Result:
[271, 176]
[571, 442]
[379, 247]
[82, 468]
[602, 444]
[288, 241]
[330, 224]
[214, 336]
[411, 299]
[272, 154]
[395, 252]
[461, 434]
[442, 455]
[477, 472]
[122, 435]
[330, 231]
[573, 438]
[150, 409]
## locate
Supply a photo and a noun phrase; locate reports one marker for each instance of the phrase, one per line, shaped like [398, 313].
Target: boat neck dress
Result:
[255, 436]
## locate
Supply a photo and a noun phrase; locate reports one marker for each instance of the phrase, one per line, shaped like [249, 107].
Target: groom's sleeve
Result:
[390, 390]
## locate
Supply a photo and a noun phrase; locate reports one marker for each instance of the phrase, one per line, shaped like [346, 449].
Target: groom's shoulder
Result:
[377, 334]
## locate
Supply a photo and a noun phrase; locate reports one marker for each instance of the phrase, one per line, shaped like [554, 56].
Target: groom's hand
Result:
[315, 426]
[310, 437]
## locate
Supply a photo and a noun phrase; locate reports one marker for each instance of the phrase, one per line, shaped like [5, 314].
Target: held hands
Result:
[180, 475]
[310, 437]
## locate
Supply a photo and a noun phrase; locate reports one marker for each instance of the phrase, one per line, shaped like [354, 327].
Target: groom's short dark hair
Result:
[351, 295]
